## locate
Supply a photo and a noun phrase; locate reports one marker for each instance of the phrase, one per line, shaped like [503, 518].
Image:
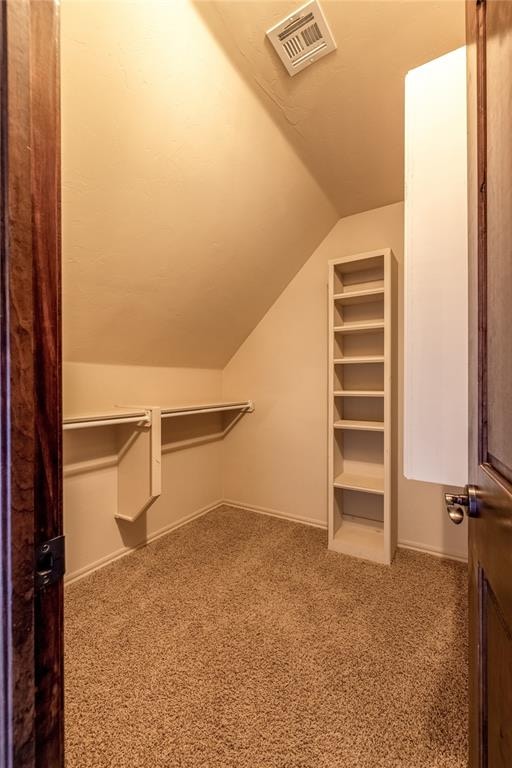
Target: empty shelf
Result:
[358, 393]
[369, 325]
[359, 297]
[359, 483]
[365, 426]
[358, 360]
[360, 540]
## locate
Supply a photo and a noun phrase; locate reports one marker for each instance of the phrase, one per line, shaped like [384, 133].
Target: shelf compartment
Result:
[360, 274]
[366, 483]
[367, 344]
[361, 311]
[360, 539]
[360, 506]
[364, 426]
[359, 460]
[358, 409]
[359, 377]
[359, 297]
[358, 524]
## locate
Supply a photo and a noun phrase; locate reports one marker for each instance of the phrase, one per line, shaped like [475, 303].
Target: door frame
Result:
[31, 653]
[490, 539]
[477, 209]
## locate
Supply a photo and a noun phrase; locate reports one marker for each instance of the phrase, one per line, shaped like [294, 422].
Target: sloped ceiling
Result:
[344, 115]
[185, 211]
[198, 178]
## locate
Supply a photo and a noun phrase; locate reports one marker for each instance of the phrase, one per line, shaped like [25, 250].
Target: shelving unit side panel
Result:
[394, 405]
[387, 403]
[330, 407]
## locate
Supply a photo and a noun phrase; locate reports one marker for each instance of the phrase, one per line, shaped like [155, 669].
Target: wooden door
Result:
[31, 700]
[489, 31]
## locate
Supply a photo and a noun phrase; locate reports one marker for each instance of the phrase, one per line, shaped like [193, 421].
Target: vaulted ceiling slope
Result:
[343, 115]
[185, 211]
[197, 178]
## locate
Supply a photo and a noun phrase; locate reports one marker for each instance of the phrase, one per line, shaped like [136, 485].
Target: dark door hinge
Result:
[50, 562]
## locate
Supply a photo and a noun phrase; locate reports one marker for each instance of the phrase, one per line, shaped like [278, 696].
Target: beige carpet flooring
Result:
[239, 640]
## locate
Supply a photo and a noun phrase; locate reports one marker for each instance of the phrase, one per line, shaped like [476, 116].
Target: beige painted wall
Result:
[277, 460]
[191, 457]
[185, 211]
[90, 387]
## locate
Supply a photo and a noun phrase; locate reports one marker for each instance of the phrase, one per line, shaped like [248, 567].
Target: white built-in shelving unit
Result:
[362, 405]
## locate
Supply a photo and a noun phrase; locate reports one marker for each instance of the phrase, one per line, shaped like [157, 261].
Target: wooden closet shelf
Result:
[364, 483]
[360, 540]
[372, 325]
[358, 393]
[364, 426]
[359, 297]
[358, 360]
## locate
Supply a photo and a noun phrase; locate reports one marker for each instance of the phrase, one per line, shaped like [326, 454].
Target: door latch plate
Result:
[50, 562]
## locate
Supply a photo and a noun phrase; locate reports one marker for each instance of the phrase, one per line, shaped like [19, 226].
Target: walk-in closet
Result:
[258, 414]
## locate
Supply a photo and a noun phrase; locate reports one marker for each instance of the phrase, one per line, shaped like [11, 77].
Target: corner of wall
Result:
[276, 459]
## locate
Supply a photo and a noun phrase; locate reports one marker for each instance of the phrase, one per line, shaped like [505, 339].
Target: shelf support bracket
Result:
[140, 468]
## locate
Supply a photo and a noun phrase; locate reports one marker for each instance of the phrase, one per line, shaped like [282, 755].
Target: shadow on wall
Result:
[134, 534]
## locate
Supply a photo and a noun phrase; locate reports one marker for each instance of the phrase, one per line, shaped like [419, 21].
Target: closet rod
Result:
[144, 416]
[247, 405]
[94, 421]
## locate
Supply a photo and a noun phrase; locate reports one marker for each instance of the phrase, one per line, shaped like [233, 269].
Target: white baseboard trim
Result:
[275, 513]
[412, 545]
[118, 554]
[434, 551]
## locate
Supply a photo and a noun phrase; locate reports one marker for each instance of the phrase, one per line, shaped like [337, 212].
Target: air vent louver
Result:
[303, 37]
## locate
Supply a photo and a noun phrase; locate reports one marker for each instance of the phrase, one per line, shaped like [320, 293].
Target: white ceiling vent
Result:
[302, 38]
